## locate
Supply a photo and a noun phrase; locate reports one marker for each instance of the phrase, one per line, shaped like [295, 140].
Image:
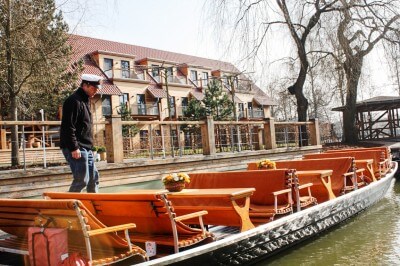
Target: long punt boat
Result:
[251, 214]
[263, 241]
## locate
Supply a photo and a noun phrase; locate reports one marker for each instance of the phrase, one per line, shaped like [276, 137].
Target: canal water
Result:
[370, 238]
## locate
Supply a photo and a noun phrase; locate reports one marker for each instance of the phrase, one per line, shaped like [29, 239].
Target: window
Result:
[141, 102]
[125, 69]
[170, 72]
[106, 105]
[108, 65]
[205, 79]
[123, 99]
[172, 106]
[241, 110]
[185, 103]
[155, 70]
[193, 76]
[250, 108]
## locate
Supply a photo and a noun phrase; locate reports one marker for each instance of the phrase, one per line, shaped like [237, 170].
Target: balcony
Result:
[177, 79]
[144, 109]
[181, 110]
[171, 79]
[256, 113]
[126, 74]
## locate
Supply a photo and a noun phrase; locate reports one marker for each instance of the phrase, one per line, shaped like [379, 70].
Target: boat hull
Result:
[263, 241]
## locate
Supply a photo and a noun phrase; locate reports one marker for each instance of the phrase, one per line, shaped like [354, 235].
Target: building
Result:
[141, 78]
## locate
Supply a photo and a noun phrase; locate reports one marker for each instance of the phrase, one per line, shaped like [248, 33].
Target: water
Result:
[370, 238]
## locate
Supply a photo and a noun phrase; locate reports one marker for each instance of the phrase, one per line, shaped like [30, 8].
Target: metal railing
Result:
[144, 109]
[162, 139]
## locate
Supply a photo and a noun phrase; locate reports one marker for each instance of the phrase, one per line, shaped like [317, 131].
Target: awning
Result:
[197, 94]
[264, 101]
[157, 92]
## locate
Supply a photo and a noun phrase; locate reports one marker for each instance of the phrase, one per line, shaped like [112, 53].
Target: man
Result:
[76, 139]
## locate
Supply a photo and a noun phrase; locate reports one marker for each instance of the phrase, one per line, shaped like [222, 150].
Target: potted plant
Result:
[175, 182]
[102, 151]
[266, 164]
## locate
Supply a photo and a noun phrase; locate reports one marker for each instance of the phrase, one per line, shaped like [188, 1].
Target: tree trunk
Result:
[353, 73]
[302, 103]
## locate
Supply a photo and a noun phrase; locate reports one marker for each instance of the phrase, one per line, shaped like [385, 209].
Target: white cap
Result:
[92, 79]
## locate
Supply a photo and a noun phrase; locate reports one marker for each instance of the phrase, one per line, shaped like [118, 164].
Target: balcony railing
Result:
[181, 110]
[144, 109]
[132, 73]
[256, 113]
[171, 79]
[177, 79]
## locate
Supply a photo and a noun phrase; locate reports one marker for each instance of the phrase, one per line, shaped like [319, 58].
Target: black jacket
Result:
[76, 123]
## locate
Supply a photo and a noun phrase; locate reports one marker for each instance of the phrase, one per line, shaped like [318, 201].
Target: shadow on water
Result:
[370, 238]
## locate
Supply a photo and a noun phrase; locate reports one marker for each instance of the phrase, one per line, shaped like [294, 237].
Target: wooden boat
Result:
[266, 240]
[255, 237]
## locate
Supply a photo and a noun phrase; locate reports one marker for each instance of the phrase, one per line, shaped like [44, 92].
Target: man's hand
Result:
[76, 154]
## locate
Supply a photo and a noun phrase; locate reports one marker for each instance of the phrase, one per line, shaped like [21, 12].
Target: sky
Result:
[182, 26]
[171, 25]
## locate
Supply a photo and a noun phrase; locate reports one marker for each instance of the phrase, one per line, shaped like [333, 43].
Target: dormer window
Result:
[155, 70]
[170, 73]
[205, 79]
[193, 76]
[125, 69]
[108, 67]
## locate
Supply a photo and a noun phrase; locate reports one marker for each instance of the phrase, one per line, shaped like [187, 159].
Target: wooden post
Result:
[315, 138]
[114, 140]
[259, 137]
[3, 139]
[269, 133]
[208, 137]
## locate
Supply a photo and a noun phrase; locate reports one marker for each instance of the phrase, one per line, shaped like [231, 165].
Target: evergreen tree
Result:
[217, 103]
[34, 56]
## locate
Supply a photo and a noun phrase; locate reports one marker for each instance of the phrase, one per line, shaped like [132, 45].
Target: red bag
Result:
[47, 246]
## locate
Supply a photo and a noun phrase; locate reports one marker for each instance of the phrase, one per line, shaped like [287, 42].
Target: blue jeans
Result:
[83, 170]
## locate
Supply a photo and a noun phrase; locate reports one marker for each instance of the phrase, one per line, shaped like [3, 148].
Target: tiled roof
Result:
[261, 98]
[85, 46]
[157, 92]
[107, 88]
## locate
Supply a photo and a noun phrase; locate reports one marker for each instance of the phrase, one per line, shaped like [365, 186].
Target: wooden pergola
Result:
[377, 118]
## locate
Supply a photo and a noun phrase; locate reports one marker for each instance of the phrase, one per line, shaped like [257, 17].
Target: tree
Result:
[34, 57]
[216, 101]
[256, 19]
[361, 28]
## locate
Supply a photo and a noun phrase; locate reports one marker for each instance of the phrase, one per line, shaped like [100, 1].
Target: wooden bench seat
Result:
[272, 195]
[324, 187]
[385, 158]
[150, 210]
[378, 166]
[228, 204]
[98, 243]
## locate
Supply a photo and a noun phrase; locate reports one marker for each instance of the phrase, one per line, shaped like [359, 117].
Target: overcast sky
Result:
[181, 26]
[172, 25]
